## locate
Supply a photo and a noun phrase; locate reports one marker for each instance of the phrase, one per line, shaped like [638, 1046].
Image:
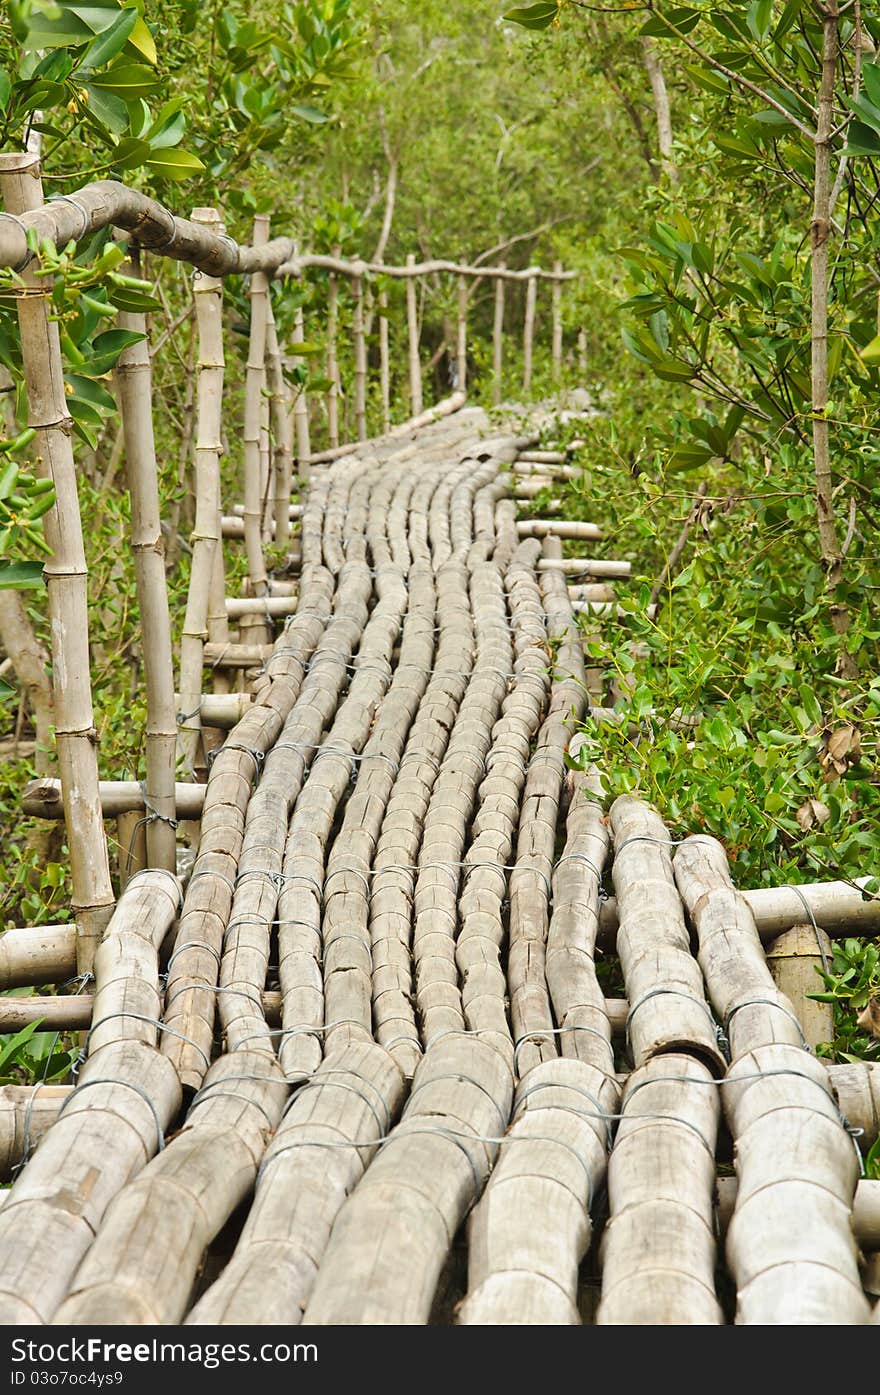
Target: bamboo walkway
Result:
[358, 1067]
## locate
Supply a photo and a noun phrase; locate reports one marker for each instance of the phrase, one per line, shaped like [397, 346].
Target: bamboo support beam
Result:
[206, 571]
[461, 336]
[282, 441]
[43, 798]
[559, 528]
[556, 311]
[384, 361]
[412, 321]
[300, 401]
[27, 1112]
[586, 566]
[42, 954]
[360, 360]
[332, 360]
[134, 378]
[498, 342]
[66, 576]
[253, 512]
[529, 332]
[794, 959]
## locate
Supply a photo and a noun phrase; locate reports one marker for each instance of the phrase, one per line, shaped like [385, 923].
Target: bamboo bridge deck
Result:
[357, 1066]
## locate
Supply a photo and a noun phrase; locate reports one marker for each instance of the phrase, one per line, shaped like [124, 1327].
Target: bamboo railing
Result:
[370, 1008]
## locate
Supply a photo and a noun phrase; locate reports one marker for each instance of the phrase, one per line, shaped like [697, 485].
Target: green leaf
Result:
[539, 16]
[309, 113]
[175, 164]
[5, 88]
[871, 352]
[861, 140]
[128, 80]
[142, 41]
[871, 79]
[109, 109]
[110, 42]
[106, 349]
[20, 576]
[135, 302]
[13, 1044]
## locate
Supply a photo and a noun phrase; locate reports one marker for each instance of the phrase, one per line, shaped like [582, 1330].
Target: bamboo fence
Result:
[370, 1012]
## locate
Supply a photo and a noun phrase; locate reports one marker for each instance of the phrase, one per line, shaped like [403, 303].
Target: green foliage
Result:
[851, 983]
[30, 1055]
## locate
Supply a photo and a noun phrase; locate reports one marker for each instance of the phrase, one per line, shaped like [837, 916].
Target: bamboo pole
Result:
[582, 354]
[416, 403]
[360, 360]
[586, 566]
[789, 1245]
[259, 299]
[308, 1171]
[332, 360]
[559, 528]
[43, 798]
[43, 954]
[556, 310]
[27, 1112]
[134, 378]
[794, 959]
[206, 571]
[143, 1263]
[131, 837]
[498, 341]
[529, 332]
[300, 401]
[384, 361]
[126, 1096]
[282, 442]
[461, 336]
[66, 581]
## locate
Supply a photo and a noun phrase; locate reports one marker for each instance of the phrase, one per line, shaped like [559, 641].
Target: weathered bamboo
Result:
[43, 798]
[205, 569]
[253, 511]
[529, 332]
[586, 566]
[857, 1088]
[332, 361]
[44, 954]
[658, 1249]
[134, 379]
[481, 933]
[131, 840]
[546, 470]
[384, 362]
[668, 1009]
[143, 1263]
[29, 660]
[530, 1011]
[461, 336]
[194, 968]
[27, 1112]
[300, 401]
[219, 656]
[578, 1001]
[360, 359]
[559, 528]
[556, 312]
[353, 1098]
[794, 959]
[498, 341]
[412, 324]
[66, 580]
[393, 1234]
[113, 1122]
[282, 441]
[531, 1229]
[865, 1212]
[582, 354]
[789, 1245]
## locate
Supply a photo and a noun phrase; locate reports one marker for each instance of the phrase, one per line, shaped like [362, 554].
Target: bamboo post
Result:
[259, 300]
[134, 377]
[412, 324]
[300, 402]
[384, 361]
[582, 354]
[794, 958]
[461, 336]
[206, 575]
[131, 836]
[332, 359]
[282, 442]
[556, 311]
[498, 337]
[360, 360]
[66, 581]
[529, 331]
[267, 484]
